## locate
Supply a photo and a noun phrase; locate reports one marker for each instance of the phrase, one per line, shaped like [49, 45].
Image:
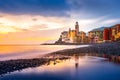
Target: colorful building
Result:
[95, 36]
[74, 36]
[116, 33]
[65, 35]
[107, 34]
[112, 33]
[82, 37]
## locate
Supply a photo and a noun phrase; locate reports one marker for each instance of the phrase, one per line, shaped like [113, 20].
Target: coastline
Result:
[111, 51]
[65, 44]
[101, 48]
[19, 64]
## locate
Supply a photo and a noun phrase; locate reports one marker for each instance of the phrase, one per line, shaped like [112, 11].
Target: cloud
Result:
[30, 37]
[109, 21]
[91, 23]
[39, 27]
[1, 16]
[34, 19]
[94, 8]
[35, 7]
[30, 22]
[22, 23]
[6, 29]
[18, 29]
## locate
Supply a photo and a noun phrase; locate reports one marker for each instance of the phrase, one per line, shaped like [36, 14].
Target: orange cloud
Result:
[14, 23]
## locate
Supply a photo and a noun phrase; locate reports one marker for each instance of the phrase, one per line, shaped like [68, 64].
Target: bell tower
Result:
[77, 28]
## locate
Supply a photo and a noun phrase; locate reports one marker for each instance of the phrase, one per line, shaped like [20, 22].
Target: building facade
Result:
[112, 33]
[95, 36]
[74, 36]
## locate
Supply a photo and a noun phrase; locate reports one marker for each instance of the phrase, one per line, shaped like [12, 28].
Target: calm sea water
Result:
[82, 68]
[8, 52]
[75, 68]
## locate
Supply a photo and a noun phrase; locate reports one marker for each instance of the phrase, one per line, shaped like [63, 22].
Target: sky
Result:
[38, 21]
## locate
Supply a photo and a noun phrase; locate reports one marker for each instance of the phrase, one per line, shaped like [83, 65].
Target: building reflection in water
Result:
[76, 61]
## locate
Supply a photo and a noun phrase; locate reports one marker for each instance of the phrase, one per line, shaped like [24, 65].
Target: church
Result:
[74, 36]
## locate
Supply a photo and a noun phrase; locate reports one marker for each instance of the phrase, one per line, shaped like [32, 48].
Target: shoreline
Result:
[111, 51]
[19, 64]
[66, 43]
[103, 48]
[80, 43]
[92, 48]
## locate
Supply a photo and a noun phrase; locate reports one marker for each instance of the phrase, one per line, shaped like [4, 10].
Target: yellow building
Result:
[117, 37]
[116, 32]
[82, 36]
[74, 36]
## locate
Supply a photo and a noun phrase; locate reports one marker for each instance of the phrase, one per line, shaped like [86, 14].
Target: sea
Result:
[76, 68]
